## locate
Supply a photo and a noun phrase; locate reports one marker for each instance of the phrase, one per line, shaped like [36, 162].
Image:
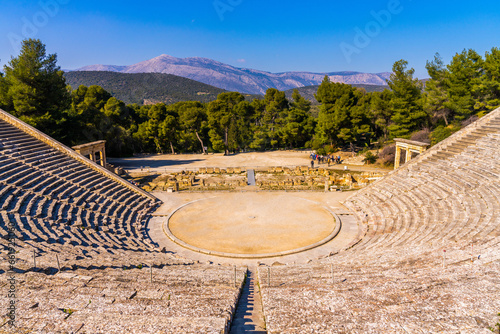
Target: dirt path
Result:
[251, 160]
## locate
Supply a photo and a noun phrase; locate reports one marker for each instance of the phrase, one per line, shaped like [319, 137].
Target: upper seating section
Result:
[450, 193]
[59, 198]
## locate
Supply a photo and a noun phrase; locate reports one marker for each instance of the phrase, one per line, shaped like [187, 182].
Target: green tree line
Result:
[34, 89]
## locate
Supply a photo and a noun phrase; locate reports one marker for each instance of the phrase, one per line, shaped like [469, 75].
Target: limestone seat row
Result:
[427, 258]
[178, 299]
[57, 201]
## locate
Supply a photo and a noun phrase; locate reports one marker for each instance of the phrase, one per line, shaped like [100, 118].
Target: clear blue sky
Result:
[274, 36]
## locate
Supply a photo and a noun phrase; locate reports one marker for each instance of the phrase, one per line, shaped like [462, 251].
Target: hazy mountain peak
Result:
[232, 78]
[165, 57]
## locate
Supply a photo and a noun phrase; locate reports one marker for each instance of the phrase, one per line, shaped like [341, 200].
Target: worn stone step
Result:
[249, 317]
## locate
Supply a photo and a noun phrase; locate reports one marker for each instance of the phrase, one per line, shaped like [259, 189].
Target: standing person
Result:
[312, 163]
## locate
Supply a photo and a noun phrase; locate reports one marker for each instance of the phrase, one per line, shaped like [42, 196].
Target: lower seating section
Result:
[399, 293]
[83, 260]
[174, 299]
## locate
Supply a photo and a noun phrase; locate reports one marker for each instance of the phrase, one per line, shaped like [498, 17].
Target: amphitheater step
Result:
[249, 317]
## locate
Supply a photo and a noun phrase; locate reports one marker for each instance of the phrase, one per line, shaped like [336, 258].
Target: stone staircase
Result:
[249, 317]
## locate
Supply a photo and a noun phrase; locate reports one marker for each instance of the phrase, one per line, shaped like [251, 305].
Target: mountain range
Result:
[242, 80]
[151, 88]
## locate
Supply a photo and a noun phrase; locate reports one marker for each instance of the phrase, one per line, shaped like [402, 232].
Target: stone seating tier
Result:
[179, 299]
[57, 201]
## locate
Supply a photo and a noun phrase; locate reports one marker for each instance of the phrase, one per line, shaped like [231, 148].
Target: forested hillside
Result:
[145, 88]
[34, 89]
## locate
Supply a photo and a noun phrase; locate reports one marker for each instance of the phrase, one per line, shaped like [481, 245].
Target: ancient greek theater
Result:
[249, 245]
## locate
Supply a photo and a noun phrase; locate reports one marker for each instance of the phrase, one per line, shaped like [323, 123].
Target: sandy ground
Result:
[248, 221]
[252, 223]
[254, 160]
[303, 212]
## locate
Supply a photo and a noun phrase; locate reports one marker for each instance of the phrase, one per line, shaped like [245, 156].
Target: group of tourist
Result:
[321, 159]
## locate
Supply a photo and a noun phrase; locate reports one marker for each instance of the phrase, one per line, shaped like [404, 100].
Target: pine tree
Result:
[382, 112]
[334, 120]
[193, 120]
[34, 88]
[490, 83]
[299, 125]
[437, 98]
[409, 114]
[464, 80]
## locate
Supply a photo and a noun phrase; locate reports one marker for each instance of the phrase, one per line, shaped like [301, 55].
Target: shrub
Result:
[321, 151]
[316, 144]
[330, 149]
[370, 158]
[422, 136]
[441, 133]
[388, 154]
